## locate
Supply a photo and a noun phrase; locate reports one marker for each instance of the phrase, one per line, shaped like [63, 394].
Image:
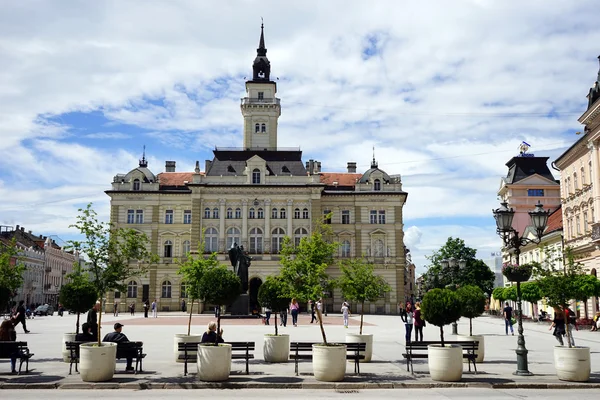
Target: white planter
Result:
[445, 363]
[480, 350]
[183, 338]
[97, 363]
[329, 362]
[368, 339]
[214, 362]
[276, 349]
[572, 364]
[66, 354]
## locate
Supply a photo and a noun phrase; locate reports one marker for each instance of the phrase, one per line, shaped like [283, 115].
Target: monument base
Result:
[241, 305]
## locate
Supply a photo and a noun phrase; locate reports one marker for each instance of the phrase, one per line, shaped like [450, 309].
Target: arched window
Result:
[277, 240]
[168, 253]
[274, 213]
[260, 214]
[263, 128]
[282, 213]
[211, 240]
[575, 184]
[377, 184]
[136, 184]
[582, 176]
[229, 213]
[345, 248]
[184, 291]
[233, 236]
[298, 235]
[256, 241]
[297, 213]
[378, 248]
[305, 213]
[256, 176]
[207, 213]
[186, 247]
[166, 290]
[238, 213]
[251, 213]
[215, 213]
[132, 290]
[257, 128]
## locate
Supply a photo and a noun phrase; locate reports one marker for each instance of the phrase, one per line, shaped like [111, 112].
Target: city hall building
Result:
[255, 196]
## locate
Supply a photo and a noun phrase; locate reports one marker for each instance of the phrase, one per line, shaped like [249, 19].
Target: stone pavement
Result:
[387, 370]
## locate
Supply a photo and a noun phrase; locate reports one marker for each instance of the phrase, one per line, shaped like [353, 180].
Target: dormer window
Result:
[263, 128]
[285, 169]
[261, 95]
[257, 128]
[136, 184]
[256, 176]
[377, 185]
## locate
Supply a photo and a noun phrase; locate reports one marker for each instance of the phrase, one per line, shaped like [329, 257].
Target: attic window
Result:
[335, 183]
[136, 184]
[230, 168]
[285, 169]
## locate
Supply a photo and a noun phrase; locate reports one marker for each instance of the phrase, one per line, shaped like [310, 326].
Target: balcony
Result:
[256, 100]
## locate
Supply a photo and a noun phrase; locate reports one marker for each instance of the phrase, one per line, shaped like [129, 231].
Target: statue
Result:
[240, 263]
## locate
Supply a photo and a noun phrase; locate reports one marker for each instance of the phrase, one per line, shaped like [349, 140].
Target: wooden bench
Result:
[19, 349]
[419, 350]
[353, 352]
[135, 349]
[239, 351]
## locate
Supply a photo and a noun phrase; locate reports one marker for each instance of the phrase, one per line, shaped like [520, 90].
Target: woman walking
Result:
[559, 325]
[345, 311]
[294, 308]
[407, 317]
[418, 322]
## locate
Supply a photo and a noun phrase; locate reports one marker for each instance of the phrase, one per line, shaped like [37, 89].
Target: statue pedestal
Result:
[241, 305]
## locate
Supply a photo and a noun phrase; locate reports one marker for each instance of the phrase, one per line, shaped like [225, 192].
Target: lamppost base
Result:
[454, 328]
[522, 373]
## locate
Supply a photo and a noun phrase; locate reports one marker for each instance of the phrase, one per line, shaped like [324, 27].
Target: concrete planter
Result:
[572, 364]
[214, 362]
[480, 350]
[183, 338]
[66, 354]
[276, 349]
[329, 362]
[357, 338]
[97, 363]
[445, 363]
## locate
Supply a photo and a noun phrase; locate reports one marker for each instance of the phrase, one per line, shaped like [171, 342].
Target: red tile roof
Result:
[342, 178]
[175, 178]
[555, 221]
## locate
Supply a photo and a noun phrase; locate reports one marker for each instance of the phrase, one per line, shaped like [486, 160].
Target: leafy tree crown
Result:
[441, 307]
[219, 286]
[472, 300]
[359, 281]
[274, 293]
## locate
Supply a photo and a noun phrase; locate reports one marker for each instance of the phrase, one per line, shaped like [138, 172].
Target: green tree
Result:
[531, 292]
[498, 294]
[78, 294]
[11, 272]
[115, 255]
[586, 286]
[441, 307]
[304, 266]
[274, 294]
[472, 302]
[359, 282]
[510, 293]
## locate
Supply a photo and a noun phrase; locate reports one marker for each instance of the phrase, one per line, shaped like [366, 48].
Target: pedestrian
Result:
[116, 309]
[118, 337]
[294, 308]
[267, 315]
[558, 323]
[571, 318]
[345, 311]
[595, 322]
[508, 315]
[313, 318]
[146, 307]
[418, 322]
[283, 317]
[8, 334]
[132, 308]
[183, 305]
[320, 306]
[154, 309]
[86, 334]
[407, 318]
[20, 316]
[92, 319]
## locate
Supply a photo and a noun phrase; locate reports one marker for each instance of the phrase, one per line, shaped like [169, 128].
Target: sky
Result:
[444, 91]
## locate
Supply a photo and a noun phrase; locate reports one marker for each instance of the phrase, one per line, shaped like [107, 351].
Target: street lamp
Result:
[451, 265]
[539, 219]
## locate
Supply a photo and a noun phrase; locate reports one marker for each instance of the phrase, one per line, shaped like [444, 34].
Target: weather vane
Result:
[523, 148]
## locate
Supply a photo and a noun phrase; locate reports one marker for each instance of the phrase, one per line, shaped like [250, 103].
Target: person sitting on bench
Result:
[86, 334]
[118, 337]
[8, 334]
[210, 336]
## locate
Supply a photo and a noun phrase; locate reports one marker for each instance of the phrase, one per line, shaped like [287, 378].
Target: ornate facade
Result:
[255, 196]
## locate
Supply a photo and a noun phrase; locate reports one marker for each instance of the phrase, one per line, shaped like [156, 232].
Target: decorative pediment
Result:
[378, 232]
[536, 179]
[346, 233]
[168, 233]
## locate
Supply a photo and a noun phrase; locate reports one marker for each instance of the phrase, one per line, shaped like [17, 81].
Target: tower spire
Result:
[598, 79]
[261, 67]
[374, 163]
[143, 161]
[262, 50]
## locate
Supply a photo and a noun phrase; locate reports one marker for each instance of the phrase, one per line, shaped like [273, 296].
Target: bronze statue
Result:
[240, 263]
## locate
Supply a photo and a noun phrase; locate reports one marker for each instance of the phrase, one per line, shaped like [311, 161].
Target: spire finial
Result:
[143, 161]
[261, 51]
[598, 70]
[374, 163]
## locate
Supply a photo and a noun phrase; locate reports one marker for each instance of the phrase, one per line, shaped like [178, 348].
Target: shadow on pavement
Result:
[279, 379]
[35, 378]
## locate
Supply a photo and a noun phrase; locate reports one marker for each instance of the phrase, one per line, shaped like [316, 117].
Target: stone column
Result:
[267, 236]
[594, 175]
[290, 210]
[245, 223]
[222, 204]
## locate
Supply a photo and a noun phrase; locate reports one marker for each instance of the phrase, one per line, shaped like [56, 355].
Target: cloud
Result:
[107, 135]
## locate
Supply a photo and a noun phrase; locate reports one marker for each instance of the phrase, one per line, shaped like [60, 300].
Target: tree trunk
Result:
[362, 312]
[77, 325]
[442, 335]
[100, 322]
[276, 333]
[218, 323]
[321, 325]
[190, 319]
[470, 326]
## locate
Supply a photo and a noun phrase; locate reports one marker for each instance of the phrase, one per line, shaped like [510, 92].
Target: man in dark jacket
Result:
[86, 334]
[118, 337]
[20, 317]
[92, 320]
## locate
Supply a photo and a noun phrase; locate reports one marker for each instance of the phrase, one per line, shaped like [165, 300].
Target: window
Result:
[277, 239]
[139, 216]
[305, 213]
[257, 128]
[130, 216]
[577, 227]
[373, 217]
[381, 216]
[169, 217]
[256, 176]
[251, 213]
[298, 235]
[345, 217]
[582, 177]
[590, 169]
[569, 185]
[256, 241]
[282, 213]
[187, 216]
[535, 192]
[186, 247]
[215, 213]
[211, 240]
[297, 213]
[260, 214]
[233, 236]
[326, 216]
[136, 184]
[585, 222]
[207, 213]
[238, 213]
[377, 184]
[575, 184]
[263, 128]
[184, 291]
[345, 248]
[168, 249]
[166, 290]
[261, 95]
[378, 248]
[229, 213]
[132, 290]
[117, 294]
[274, 213]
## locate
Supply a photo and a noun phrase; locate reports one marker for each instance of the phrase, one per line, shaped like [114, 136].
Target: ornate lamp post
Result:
[452, 267]
[512, 241]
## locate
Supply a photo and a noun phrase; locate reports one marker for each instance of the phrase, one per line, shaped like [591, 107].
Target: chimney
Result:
[22, 229]
[351, 167]
[311, 167]
[17, 228]
[318, 166]
[170, 166]
[29, 232]
[306, 166]
[207, 164]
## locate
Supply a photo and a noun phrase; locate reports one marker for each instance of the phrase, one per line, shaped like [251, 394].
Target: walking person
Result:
[283, 317]
[418, 323]
[407, 318]
[92, 319]
[313, 317]
[267, 315]
[571, 319]
[20, 316]
[294, 309]
[146, 307]
[507, 312]
[116, 309]
[132, 308]
[154, 309]
[558, 323]
[183, 306]
[345, 311]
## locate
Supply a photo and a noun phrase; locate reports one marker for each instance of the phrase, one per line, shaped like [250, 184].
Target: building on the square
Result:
[255, 196]
[495, 264]
[59, 263]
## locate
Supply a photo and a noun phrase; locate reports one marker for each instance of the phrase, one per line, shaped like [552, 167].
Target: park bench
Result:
[419, 350]
[7, 349]
[303, 351]
[239, 351]
[135, 349]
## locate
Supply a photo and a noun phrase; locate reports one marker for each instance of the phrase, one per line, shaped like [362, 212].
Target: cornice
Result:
[590, 114]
